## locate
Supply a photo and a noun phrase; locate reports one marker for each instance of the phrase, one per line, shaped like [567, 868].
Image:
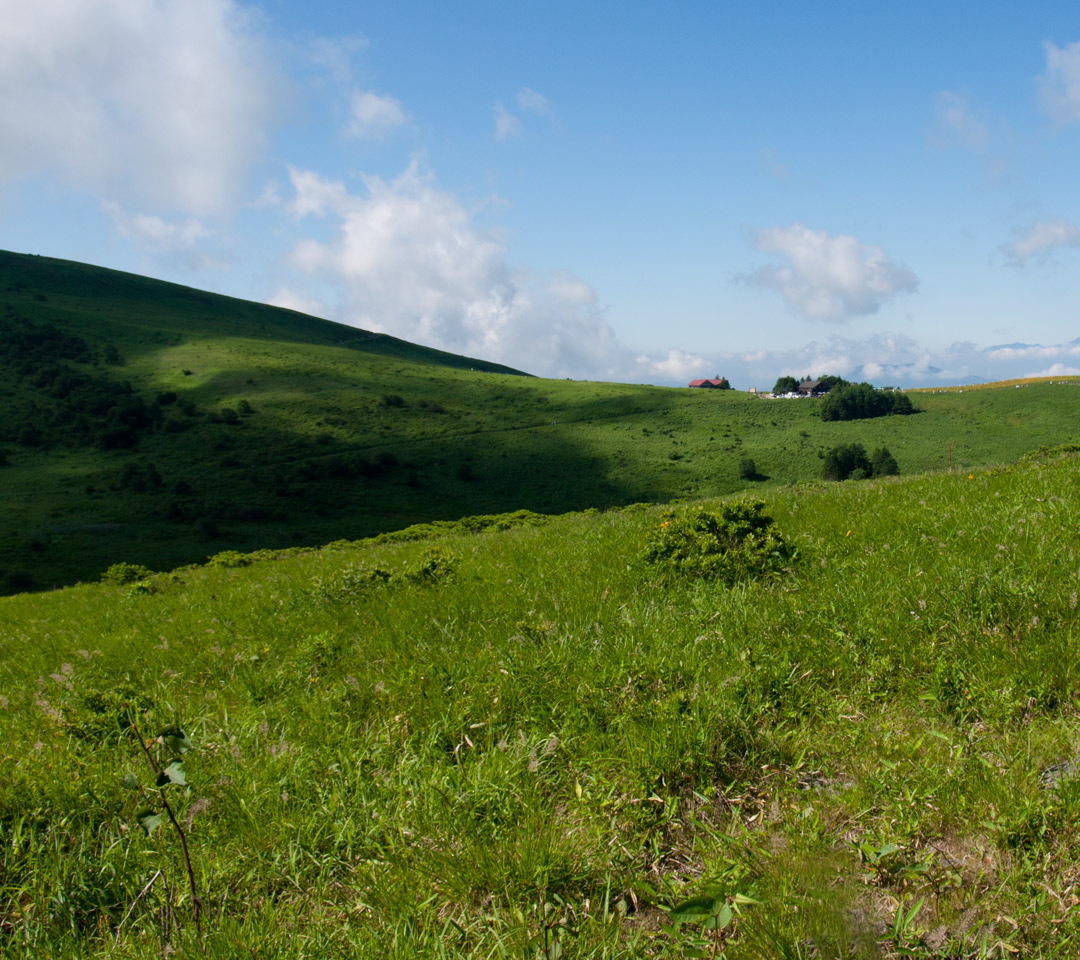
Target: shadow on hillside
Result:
[249, 485]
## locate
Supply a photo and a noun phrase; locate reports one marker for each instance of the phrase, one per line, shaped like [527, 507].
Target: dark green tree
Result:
[846, 462]
[884, 463]
[785, 385]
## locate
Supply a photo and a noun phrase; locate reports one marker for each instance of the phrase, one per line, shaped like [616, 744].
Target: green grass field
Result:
[286, 430]
[527, 743]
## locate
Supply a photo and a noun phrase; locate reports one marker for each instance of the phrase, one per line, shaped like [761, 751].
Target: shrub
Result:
[121, 573]
[842, 462]
[747, 469]
[850, 462]
[860, 401]
[345, 586]
[435, 566]
[884, 463]
[229, 558]
[737, 542]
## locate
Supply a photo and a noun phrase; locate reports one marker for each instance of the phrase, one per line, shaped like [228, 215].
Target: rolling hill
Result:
[147, 422]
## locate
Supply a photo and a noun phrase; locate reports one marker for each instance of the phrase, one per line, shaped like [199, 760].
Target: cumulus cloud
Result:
[1059, 86]
[157, 103]
[829, 277]
[673, 366]
[410, 261]
[506, 124]
[374, 115]
[1033, 351]
[890, 359]
[1041, 239]
[178, 241]
[1056, 370]
[291, 300]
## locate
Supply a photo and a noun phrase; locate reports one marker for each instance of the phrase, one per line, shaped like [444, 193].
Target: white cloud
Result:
[957, 124]
[1029, 351]
[373, 115]
[177, 241]
[506, 124]
[829, 277]
[532, 102]
[1041, 239]
[410, 261]
[673, 367]
[1059, 87]
[315, 196]
[335, 54]
[1056, 370]
[898, 360]
[154, 103]
[291, 300]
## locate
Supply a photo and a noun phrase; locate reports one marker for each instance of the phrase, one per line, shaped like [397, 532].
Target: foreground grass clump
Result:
[522, 742]
[737, 541]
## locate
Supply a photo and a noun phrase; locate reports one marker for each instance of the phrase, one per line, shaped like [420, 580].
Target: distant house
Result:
[716, 383]
[811, 388]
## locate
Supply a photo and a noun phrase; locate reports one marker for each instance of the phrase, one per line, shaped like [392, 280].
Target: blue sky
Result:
[606, 191]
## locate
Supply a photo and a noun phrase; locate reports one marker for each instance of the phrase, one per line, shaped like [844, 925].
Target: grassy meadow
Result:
[245, 426]
[527, 742]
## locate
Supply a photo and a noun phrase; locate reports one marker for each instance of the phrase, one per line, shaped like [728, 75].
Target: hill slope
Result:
[151, 423]
[507, 743]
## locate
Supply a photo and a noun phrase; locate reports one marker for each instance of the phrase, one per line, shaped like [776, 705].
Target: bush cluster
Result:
[735, 543]
[861, 401]
[122, 573]
[435, 565]
[850, 462]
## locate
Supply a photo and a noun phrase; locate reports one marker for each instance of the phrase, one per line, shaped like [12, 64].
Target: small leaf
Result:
[175, 740]
[695, 910]
[173, 773]
[725, 916]
[129, 782]
[149, 821]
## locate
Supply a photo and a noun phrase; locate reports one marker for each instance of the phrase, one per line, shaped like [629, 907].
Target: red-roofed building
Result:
[716, 383]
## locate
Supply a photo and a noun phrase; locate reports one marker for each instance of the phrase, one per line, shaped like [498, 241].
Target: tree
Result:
[785, 385]
[747, 469]
[847, 461]
[825, 384]
[860, 401]
[884, 463]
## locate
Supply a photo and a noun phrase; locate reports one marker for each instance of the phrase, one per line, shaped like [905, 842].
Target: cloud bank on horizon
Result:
[582, 221]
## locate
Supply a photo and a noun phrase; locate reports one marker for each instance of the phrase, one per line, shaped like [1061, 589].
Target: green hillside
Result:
[146, 422]
[531, 742]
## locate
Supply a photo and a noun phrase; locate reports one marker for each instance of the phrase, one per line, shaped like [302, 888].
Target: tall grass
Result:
[529, 743]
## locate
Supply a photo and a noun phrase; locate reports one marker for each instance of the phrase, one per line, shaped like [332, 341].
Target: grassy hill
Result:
[146, 422]
[532, 743]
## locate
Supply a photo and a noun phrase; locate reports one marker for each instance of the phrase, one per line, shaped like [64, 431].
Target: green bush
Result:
[846, 462]
[884, 463]
[121, 573]
[850, 462]
[350, 584]
[860, 401]
[747, 469]
[229, 558]
[737, 542]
